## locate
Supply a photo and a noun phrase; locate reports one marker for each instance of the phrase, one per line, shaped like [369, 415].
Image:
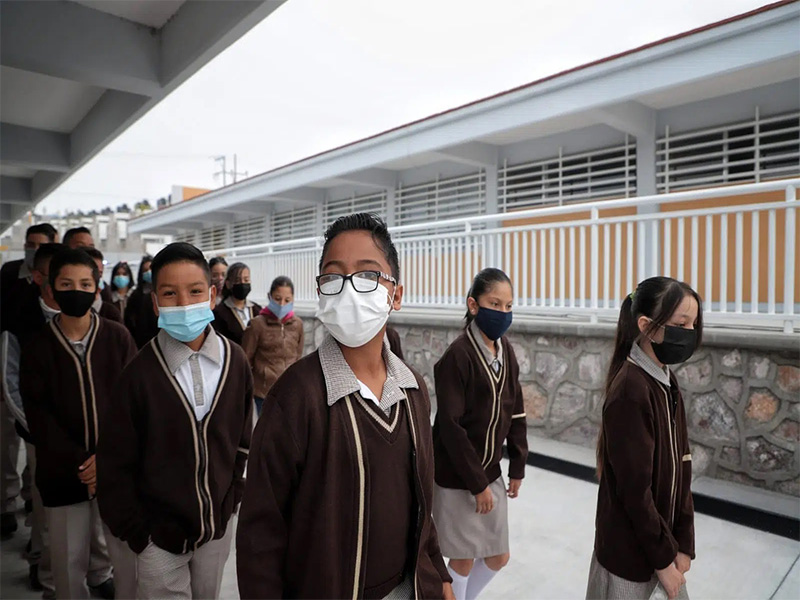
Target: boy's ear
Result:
[397, 303]
[155, 302]
[213, 297]
[38, 278]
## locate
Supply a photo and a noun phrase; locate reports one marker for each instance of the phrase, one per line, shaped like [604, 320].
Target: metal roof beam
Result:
[374, 177]
[630, 117]
[34, 148]
[70, 41]
[302, 194]
[15, 190]
[475, 154]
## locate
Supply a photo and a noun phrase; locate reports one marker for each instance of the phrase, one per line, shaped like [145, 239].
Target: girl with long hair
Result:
[234, 311]
[644, 529]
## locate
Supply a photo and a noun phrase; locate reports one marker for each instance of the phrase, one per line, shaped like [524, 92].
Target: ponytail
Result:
[656, 298]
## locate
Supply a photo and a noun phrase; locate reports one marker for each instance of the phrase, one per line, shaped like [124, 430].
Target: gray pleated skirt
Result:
[463, 533]
[604, 585]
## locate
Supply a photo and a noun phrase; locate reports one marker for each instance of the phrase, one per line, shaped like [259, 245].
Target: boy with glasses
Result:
[340, 483]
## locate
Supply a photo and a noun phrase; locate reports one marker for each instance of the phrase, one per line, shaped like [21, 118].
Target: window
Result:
[295, 224]
[451, 198]
[214, 238]
[764, 148]
[606, 173]
[249, 233]
[371, 203]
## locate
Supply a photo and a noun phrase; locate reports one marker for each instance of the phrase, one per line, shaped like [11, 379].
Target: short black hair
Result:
[281, 281]
[71, 233]
[371, 223]
[179, 252]
[42, 229]
[94, 253]
[44, 253]
[68, 256]
[217, 260]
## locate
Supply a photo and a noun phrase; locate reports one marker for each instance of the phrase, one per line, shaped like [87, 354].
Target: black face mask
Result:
[240, 290]
[678, 345]
[74, 303]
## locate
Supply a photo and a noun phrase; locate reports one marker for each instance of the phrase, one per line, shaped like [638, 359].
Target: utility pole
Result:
[236, 173]
[224, 172]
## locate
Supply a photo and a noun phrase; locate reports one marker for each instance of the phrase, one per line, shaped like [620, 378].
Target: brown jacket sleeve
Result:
[272, 476]
[629, 428]
[451, 378]
[244, 440]
[250, 339]
[301, 344]
[517, 439]
[38, 394]
[684, 517]
[118, 461]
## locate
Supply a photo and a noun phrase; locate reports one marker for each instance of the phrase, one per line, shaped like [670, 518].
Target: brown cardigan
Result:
[478, 411]
[63, 399]
[227, 323]
[161, 473]
[645, 513]
[302, 526]
[271, 347]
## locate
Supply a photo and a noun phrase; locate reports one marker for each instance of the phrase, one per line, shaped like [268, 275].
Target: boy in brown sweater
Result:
[340, 485]
[171, 464]
[68, 374]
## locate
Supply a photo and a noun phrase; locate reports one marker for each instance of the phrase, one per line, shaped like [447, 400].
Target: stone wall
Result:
[742, 405]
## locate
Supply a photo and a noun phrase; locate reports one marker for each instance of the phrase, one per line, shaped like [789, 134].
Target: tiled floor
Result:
[551, 540]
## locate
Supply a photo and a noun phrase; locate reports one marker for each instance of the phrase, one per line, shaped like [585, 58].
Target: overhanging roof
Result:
[755, 49]
[75, 75]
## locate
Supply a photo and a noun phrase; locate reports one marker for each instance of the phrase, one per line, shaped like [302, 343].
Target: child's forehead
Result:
[77, 270]
[354, 246]
[183, 270]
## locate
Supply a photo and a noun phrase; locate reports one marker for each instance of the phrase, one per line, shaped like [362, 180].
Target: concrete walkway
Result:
[552, 529]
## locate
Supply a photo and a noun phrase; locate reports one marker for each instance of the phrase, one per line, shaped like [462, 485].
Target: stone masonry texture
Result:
[742, 406]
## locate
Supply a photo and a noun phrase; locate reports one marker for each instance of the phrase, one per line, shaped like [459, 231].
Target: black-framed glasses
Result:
[364, 282]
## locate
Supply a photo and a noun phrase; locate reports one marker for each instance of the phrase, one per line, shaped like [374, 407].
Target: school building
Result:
[681, 158]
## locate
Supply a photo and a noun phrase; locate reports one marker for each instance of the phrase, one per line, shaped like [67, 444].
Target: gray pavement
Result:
[552, 529]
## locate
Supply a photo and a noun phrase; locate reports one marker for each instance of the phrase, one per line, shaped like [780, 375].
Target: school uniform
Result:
[171, 469]
[339, 488]
[140, 317]
[394, 342]
[271, 347]
[120, 301]
[231, 321]
[645, 513]
[16, 291]
[63, 410]
[105, 294]
[107, 310]
[480, 407]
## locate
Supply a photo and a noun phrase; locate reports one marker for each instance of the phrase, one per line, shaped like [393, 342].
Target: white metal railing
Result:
[742, 258]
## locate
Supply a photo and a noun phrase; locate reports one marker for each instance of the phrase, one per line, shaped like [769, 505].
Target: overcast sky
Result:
[319, 73]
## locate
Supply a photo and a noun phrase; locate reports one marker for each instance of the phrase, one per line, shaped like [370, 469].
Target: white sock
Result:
[479, 578]
[459, 584]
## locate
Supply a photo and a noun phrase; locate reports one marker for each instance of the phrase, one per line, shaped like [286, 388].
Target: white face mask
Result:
[352, 318]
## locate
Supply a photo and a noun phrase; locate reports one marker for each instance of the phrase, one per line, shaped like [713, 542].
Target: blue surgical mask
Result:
[185, 323]
[122, 281]
[278, 310]
[147, 277]
[493, 323]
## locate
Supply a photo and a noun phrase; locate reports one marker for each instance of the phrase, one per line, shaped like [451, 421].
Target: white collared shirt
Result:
[242, 313]
[210, 357]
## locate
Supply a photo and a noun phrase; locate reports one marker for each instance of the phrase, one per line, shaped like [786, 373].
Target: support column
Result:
[390, 207]
[648, 253]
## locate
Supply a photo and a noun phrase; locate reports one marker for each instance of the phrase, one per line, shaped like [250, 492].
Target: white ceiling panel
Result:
[44, 102]
[144, 12]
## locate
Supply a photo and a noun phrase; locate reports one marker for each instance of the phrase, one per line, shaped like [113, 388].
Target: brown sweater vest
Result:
[391, 505]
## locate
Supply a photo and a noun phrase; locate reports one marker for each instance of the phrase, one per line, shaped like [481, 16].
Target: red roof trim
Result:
[666, 40]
